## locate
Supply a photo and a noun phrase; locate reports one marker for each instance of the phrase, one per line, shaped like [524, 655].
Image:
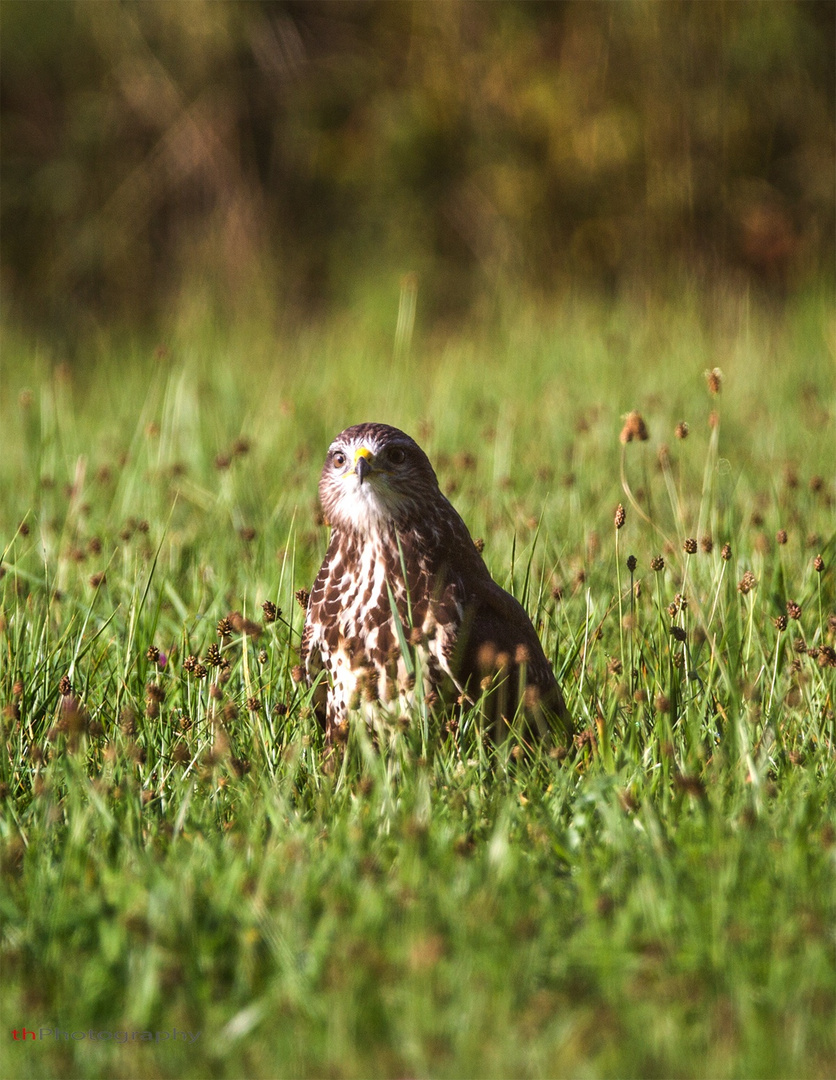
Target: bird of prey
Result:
[404, 609]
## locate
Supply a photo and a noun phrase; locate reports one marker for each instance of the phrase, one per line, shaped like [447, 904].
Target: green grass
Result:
[662, 902]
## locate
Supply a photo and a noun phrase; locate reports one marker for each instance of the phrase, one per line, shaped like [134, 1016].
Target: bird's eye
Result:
[396, 455]
[339, 459]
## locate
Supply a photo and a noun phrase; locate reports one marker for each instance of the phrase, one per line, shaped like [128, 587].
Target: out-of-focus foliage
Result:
[279, 156]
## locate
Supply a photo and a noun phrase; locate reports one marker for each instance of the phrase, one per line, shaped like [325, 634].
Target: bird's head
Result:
[375, 477]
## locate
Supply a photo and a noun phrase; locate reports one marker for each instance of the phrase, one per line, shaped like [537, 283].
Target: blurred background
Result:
[285, 161]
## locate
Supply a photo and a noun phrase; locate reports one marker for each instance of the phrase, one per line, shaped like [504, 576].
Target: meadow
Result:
[179, 855]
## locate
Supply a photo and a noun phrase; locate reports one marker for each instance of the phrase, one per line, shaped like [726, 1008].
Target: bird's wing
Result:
[495, 621]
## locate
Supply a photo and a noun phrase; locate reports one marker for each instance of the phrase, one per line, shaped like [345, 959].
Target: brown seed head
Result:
[154, 692]
[620, 516]
[781, 536]
[780, 623]
[826, 657]
[213, 656]
[634, 428]
[707, 544]
[657, 563]
[690, 546]
[479, 544]
[793, 609]
[714, 379]
[726, 552]
[65, 687]
[747, 583]
[271, 612]
[153, 654]
[302, 598]
[632, 563]
[818, 564]
[681, 430]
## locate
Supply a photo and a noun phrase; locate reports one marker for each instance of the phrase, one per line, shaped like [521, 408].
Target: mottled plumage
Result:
[402, 570]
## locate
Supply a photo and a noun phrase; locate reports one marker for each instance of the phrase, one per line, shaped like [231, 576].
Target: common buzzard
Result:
[404, 608]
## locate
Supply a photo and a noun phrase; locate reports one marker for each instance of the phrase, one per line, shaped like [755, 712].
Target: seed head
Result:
[780, 623]
[190, 663]
[726, 552]
[253, 704]
[790, 476]
[657, 563]
[747, 583]
[65, 687]
[302, 598]
[827, 657]
[681, 430]
[818, 564]
[224, 627]
[781, 536]
[690, 546]
[632, 563]
[793, 609]
[707, 544]
[620, 516]
[634, 428]
[678, 634]
[153, 654]
[714, 379]
[271, 612]
[213, 656]
[479, 544]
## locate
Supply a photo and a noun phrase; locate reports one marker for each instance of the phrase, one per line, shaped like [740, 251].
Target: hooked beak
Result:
[362, 463]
